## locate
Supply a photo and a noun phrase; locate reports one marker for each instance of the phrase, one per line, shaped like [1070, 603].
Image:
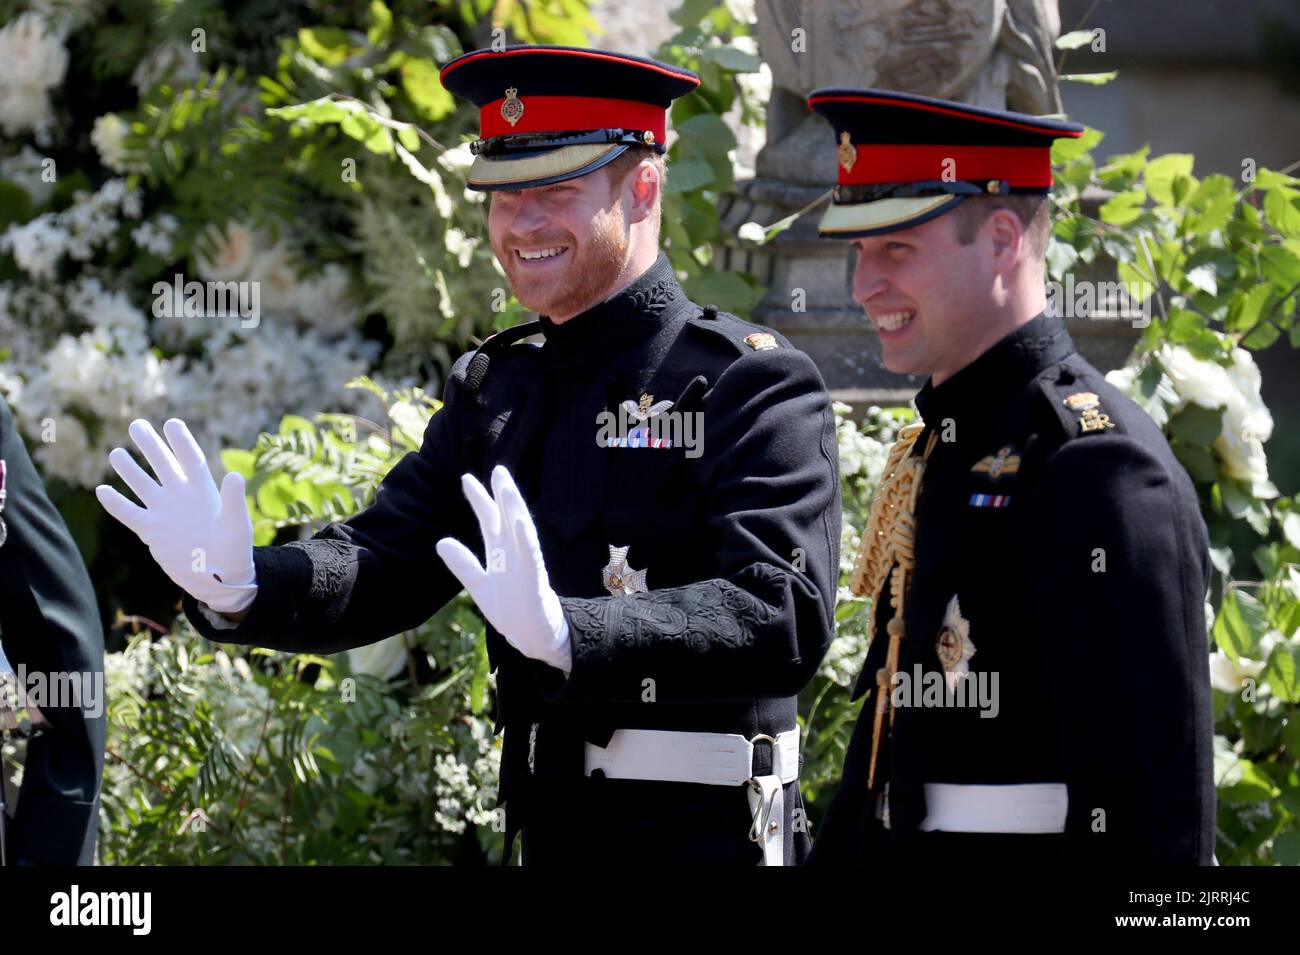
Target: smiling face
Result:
[563, 246]
[938, 303]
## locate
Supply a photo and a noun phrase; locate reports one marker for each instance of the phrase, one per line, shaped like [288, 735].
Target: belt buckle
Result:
[763, 811]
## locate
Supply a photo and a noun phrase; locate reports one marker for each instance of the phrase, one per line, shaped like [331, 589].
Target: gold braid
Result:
[887, 551]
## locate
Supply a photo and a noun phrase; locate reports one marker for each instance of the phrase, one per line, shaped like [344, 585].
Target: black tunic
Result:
[50, 625]
[740, 544]
[1084, 592]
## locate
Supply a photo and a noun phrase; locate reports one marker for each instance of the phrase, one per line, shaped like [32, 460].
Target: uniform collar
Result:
[622, 320]
[1000, 372]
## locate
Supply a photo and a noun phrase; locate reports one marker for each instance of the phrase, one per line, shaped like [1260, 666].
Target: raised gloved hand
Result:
[201, 537]
[514, 591]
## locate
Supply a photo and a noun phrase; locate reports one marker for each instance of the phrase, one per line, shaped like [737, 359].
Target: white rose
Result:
[234, 253]
[1123, 378]
[23, 107]
[384, 659]
[107, 136]
[1247, 424]
[31, 53]
[1201, 382]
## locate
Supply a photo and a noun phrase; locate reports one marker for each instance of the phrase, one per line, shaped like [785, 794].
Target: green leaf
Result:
[1196, 425]
[1282, 210]
[1246, 308]
[1282, 674]
[1123, 208]
[727, 290]
[1092, 79]
[687, 175]
[1239, 625]
[1210, 206]
[1126, 165]
[327, 45]
[1068, 150]
[1252, 786]
[1074, 39]
[425, 91]
[1161, 173]
[1280, 265]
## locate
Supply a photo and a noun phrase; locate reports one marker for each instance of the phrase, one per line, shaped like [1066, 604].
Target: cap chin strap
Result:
[873, 192]
[521, 142]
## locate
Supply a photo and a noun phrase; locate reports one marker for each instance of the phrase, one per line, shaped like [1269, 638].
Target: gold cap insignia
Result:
[512, 110]
[848, 154]
[760, 341]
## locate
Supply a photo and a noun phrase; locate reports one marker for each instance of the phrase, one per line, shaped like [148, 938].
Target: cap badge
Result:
[848, 155]
[512, 110]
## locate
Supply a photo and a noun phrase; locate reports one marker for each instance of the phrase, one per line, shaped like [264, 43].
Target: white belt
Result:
[716, 759]
[1024, 808]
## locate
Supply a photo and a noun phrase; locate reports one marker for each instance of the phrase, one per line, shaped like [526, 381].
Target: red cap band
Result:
[553, 114]
[1025, 166]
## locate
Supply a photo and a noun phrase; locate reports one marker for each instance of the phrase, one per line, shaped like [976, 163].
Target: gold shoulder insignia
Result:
[760, 341]
[1089, 407]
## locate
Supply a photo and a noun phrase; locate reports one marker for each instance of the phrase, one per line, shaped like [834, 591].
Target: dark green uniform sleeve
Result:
[51, 625]
[1118, 593]
[373, 575]
[761, 627]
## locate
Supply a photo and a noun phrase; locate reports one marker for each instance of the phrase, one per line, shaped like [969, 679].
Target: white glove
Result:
[514, 591]
[201, 538]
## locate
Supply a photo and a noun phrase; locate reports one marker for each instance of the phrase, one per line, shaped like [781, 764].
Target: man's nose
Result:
[867, 283]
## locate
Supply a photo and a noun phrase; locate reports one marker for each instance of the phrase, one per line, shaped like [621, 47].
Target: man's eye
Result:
[896, 246]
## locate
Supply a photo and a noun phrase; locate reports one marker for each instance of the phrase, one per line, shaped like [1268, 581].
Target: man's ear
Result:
[643, 184]
[1006, 235]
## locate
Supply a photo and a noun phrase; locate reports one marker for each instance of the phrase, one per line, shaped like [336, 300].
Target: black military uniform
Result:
[1051, 542]
[49, 624]
[737, 536]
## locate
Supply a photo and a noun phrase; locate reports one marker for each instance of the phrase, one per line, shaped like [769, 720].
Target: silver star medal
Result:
[620, 579]
[954, 645]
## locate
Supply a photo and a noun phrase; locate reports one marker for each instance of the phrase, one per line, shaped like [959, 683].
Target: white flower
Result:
[1247, 424]
[752, 232]
[174, 62]
[24, 107]
[156, 236]
[31, 53]
[1123, 378]
[457, 159]
[324, 299]
[233, 255]
[1201, 382]
[273, 270]
[742, 11]
[107, 136]
[36, 245]
[385, 659]
[1229, 677]
[27, 169]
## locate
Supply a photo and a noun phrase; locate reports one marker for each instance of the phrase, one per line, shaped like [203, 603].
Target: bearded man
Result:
[656, 557]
